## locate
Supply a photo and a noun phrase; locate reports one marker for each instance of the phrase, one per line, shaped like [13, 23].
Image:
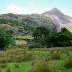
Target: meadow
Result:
[23, 59]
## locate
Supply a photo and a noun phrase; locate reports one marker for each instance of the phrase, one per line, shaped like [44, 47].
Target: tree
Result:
[5, 39]
[52, 39]
[41, 35]
[62, 39]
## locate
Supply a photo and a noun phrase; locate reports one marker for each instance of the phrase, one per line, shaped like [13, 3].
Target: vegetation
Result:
[38, 57]
[41, 60]
[62, 39]
[47, 38]
[18, 25]
[41, 36]
[9, 22]
[6, 39]
[15, 55]
[68, 63]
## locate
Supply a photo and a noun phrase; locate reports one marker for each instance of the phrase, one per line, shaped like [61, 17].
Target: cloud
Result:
[16, 9]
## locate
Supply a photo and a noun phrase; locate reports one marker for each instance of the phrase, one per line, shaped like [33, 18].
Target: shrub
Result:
[2, 65]
[67, 52]
[46, 66]
[68, 63]
[55, 56]
[5, 39]
[0, 70]
[41, 66]
[16, 65]
[8, 69]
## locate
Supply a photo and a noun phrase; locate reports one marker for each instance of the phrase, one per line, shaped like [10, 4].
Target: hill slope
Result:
[59, 19]
[53, 19]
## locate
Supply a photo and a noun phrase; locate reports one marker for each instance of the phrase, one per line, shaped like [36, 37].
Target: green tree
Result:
[61, 39]
[41, 35]
[5, 39]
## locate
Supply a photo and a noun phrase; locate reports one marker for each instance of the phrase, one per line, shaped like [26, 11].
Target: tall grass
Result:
[16, 55]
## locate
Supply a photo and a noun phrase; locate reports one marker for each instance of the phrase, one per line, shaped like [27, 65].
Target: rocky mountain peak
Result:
[55, 12]
[53, 19]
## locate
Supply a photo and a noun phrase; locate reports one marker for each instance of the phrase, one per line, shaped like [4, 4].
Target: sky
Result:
[35, 6]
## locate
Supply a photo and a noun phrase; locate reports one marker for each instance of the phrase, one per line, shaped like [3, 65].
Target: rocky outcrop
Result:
[53, 19]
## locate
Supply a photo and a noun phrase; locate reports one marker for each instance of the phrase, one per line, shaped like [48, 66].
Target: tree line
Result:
[43, 37]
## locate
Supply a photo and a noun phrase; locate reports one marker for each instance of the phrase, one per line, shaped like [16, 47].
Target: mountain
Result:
[53, 19]
[59, 19]
[33, 20]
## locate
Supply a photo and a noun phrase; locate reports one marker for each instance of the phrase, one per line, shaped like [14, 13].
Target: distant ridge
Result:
[53, 19]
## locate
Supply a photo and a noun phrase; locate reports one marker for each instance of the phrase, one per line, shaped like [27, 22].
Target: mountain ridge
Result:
[54, 19]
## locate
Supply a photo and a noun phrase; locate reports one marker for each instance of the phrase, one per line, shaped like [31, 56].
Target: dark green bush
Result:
[16, 65]
[2, 65]
[6, 39]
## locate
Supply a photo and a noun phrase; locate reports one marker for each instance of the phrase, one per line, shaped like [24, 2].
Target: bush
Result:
[2, 65]
[16, 65]
[8, 69]
[46, 66]
[55, 56]
[5, 39]
[41, 66]
[68, 63]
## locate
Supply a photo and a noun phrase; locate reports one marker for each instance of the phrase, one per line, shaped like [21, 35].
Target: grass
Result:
[21, 42]
[43, 53]
[26, 36]
[23, 67]
[34, 56]
[15, 55]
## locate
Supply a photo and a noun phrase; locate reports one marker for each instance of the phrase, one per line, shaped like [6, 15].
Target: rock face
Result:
[53, 19]
[58, 18]
[33, 20]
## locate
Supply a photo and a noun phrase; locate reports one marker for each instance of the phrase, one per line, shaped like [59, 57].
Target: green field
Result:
[26, 36]
[21, 42]
[22, 60]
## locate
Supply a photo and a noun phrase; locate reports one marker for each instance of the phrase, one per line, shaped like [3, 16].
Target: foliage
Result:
[68, 63]
[41, 35]
[9, 22]
[41, 62]
[16, 55]
[62, 39]
[41, 66]
[8, 69]
[52, 39]
[55, 56]
[5, 39]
